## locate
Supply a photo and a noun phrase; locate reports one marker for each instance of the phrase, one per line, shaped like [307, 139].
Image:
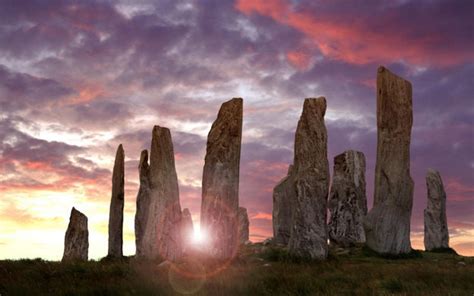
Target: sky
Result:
[77, 78]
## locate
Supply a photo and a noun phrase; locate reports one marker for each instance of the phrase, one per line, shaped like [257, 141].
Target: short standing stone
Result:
[387, 226]
[347, 200]
[116, 205]
[284, 196]
[436, 225]
[187, 227]
[76, 241]
[220, 182]
[243, 225]
[311, 172]
[143, 202]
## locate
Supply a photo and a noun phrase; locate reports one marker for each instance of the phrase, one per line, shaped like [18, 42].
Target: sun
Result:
[199, 237]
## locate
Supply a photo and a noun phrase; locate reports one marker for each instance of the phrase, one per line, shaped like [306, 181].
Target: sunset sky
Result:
[77, 78]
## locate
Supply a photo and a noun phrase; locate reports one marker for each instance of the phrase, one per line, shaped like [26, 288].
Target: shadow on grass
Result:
[413, 254]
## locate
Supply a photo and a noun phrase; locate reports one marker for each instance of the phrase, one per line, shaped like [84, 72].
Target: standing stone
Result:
[76, 241]
[162, 234]
[387, 226]
[347, 200]
[243, 225]
[220, 182]
[311, 174]
[187, 229]
[116, 205]
[284, 195]
[436, 225]
[143, 202]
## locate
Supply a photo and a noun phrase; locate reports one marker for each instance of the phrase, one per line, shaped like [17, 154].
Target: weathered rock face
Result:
[187, 229]
[387, 226]
[162, 234]
[76, 241]
[311, 176]
[220, 183]
[436, 225]
[284, 195]
[143, 202]
[347, 200]
[243, 225]
[116, 205]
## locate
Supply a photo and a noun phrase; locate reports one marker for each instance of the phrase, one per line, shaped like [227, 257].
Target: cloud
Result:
[20, 91]
[372, 38]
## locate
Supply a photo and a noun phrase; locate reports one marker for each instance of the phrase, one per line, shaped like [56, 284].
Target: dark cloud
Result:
[20, 91]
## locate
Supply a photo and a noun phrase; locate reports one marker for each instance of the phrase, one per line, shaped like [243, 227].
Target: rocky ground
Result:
[258, 270]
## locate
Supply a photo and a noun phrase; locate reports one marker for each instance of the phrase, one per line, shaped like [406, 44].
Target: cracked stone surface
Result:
[387, 226]
[162, 234]
[311, 177]
[220, 182]
[347, 199]
[436, 225]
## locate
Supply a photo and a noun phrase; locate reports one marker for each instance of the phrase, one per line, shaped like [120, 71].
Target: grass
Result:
[257, 271]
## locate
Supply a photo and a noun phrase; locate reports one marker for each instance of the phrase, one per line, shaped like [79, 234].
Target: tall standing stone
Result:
[76, 241]
[284, 195]
[220, 182]
[311, 172]
[436, 225]
[143, 202]
[387, 225]
[116, 205]
[243, 225]
[162, 234]
[347, 200]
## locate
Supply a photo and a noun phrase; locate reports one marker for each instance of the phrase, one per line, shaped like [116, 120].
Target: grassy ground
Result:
[255, 272]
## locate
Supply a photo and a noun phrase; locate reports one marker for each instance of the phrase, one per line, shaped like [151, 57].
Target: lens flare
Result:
[199, 237]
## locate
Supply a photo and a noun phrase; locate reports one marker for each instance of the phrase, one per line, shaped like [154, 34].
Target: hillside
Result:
[258, 270]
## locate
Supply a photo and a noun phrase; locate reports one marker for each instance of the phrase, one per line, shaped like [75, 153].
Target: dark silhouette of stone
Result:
[143, 202]
[347, 200]
[436, 225]
[284, 195]
[243, 225]
[187, 229]
[311, 176]
[76, 241]
[162, 233]
[387, 226]
[220, 183]
[116, 205]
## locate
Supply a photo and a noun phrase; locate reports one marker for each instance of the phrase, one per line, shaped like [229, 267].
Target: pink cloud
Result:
[356, 42]
[264, 216]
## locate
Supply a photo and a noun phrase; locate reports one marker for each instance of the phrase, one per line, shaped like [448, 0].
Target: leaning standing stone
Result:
[220, 182]
[387, 225]
[116, 205]
[347, 200]
[436, 225]
[76, 241]
[311, 172]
